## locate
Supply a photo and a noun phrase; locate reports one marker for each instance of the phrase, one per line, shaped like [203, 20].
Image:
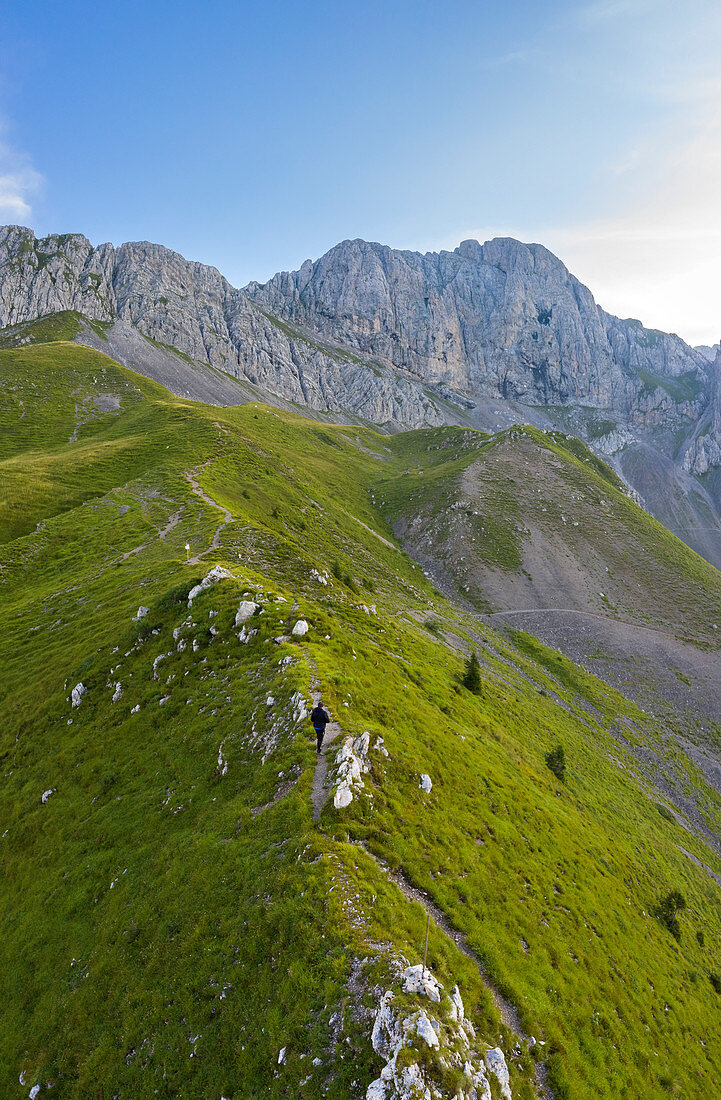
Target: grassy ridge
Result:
[154, 908]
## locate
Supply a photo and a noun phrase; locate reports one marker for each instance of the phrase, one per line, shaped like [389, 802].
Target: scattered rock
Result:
[300, 712]
[140, 613]
[300, 628]
[342, 797]
[77, 693]
[425, 783]
[408, 1074]
[281, 1056]
[222, 763]
[156, 662]
[118, 693]
[416, 979]
[380, 746]
[135, 709]
[426, 1031]
[46, 794]
[352, 761]
[457, 1004]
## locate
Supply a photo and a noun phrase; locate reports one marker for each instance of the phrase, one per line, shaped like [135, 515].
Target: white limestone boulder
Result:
[426, 1031]
[217, 573]
[246, 610]
[76, 695]
[496, 1062]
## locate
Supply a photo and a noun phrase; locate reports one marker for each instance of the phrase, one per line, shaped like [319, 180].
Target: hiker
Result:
[320, 718]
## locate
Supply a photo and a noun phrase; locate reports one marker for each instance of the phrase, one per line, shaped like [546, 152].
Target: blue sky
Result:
[251, 136]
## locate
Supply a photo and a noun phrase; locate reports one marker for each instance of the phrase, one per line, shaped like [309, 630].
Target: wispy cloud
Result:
[19, 181]
[604, 11]
[513, 57]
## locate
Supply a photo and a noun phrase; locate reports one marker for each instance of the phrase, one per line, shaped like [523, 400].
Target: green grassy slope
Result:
[172, 916]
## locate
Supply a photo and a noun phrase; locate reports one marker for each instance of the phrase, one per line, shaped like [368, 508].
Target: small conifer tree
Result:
[556, 761]
[472, 675]
[667, 910]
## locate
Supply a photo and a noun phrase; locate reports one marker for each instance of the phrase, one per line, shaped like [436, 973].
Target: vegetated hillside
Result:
[533, 529]
[190, 905]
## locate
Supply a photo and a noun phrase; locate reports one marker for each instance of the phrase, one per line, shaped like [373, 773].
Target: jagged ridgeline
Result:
[484, 336]
[192, 904]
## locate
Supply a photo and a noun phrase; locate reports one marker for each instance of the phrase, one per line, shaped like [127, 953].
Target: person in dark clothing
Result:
[320, 718]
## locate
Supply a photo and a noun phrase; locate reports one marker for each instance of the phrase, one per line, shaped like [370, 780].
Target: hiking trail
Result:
[320, 789]
[191, 477]
[507, 1011]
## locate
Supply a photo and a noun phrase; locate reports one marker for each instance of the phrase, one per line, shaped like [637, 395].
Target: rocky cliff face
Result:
[191, 307]
[501, 318]
[705, 449]
[396, 338]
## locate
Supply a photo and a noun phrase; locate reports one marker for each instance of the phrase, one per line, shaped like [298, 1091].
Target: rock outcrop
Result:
[405, 1037]
[351, 762]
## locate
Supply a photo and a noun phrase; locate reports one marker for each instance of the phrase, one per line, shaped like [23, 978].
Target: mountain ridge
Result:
[486, 335]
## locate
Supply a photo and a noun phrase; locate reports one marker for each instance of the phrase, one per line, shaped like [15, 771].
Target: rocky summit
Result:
[486, 336]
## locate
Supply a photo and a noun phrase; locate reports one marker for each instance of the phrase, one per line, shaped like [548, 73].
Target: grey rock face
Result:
[192, 308]
[705, 449]
[395, 338]
[500, 318]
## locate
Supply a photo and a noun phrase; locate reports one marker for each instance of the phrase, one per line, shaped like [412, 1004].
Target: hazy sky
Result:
[254, 135]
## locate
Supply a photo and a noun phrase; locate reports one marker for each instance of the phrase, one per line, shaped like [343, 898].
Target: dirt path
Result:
[375, 533]
[320, 789]
[163, 532]
[191, 478]
[577, 611]
[507, 1011]
[172, 522]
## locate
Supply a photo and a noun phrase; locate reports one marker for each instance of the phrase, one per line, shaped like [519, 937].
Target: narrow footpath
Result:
[507, 1011]
[191, 477]
[320, 789]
